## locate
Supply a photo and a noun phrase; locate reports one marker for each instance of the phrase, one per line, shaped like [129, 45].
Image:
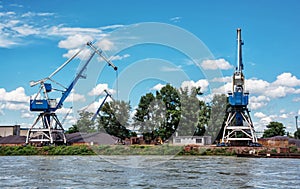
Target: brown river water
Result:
[148, 172]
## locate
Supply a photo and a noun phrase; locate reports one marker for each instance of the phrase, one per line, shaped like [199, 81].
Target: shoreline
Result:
[189, 150]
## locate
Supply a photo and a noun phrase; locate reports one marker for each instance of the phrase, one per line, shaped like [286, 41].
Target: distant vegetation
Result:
[274, 129]
[46, 150]
[159, 115]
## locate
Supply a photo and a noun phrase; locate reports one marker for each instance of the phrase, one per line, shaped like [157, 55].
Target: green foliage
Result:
[293, 149]
[138, 150]
[171, 110]
[116, 118]
[18, 150]
[83, 124]
[218, 114]
[297, 134]
[274, 129]
[190, 112]
[46, 150]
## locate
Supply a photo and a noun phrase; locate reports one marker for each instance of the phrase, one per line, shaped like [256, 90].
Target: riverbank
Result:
[150, 150]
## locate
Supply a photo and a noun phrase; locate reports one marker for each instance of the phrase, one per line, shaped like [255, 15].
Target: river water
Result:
[147, 172]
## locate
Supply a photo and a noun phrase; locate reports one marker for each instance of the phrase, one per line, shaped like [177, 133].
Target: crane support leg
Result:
[46, 129]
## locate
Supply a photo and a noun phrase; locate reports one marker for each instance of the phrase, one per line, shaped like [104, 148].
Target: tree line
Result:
[168, 112]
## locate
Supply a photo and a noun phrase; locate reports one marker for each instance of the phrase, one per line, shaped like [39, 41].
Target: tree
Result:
[203, 120]
[218, 114]
[274, 129]
[194, 113]
[159, 115]
[83, 124]
[297, 134]
[171, 101]
[115, 118]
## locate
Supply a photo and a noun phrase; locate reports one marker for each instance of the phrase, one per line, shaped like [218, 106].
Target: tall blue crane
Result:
[238, 129]
[51, 130]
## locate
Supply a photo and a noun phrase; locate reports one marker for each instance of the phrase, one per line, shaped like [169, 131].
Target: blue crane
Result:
[50, 132]
[238, 129]
[102, 103]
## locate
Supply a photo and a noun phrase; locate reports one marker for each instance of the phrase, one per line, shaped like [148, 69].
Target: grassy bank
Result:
[46, 150]
[111, 150]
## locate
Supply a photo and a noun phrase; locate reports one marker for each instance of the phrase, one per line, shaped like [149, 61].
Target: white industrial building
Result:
[186, 140]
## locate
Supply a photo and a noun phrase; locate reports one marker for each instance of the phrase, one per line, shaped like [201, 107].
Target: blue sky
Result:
[36, 37]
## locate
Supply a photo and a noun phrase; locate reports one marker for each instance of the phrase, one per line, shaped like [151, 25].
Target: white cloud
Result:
[282, 111]
[202, 83]
[171, 69]
[256, 86]
[13, 100]
[258, 102]
[64, 110]
[287, 79]
[75, 97]
[26, 114]
[68, 31]
[75, 41]
[284, 116]
[259, 115]
[119, 57]
[14, 27]
[99, 90]
[25, 30]
[222, 79]
[17, 95]
[110, 27]
[95, 105]
[216, 64]
[176, 19]
[39, 14]
[83, 55]
[105, 44]
[158, 87]
[223, 89]
[264, 88]
[276, 92]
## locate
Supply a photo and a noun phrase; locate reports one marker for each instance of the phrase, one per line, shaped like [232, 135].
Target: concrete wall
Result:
[7, 130]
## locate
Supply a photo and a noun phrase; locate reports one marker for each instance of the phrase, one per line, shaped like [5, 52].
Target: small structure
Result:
[91, 139]
[186, 140]
[7, 130]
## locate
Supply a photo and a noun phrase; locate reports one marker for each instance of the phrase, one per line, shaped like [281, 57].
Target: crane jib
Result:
[69, 89]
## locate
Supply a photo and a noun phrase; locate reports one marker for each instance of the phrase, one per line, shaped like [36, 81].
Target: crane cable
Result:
[117, 84]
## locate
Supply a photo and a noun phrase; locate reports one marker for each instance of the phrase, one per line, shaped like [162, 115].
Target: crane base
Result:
[46, 130]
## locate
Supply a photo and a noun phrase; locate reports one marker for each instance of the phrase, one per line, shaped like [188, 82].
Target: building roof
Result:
[96, 138]
[291, 141]
[13, 139]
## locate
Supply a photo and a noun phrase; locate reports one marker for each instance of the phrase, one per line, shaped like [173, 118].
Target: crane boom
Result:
[69, 89]
[99, 108]
[33, 83]
[100, 54]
